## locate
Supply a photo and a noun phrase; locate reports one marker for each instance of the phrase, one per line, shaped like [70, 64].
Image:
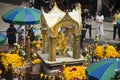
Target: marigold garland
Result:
[110, 52]
[0, 71]
[36, 61]
[74, 73]
[36, 44]
[13, 59]
[99, 51]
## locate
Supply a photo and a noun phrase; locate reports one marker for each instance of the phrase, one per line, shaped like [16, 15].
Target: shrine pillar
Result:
[99, 5]
[52, 48]
[69, 35]
[76, 46]
[44, 32]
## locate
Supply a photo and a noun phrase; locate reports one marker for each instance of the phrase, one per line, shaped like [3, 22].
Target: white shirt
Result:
[89, 21]
[20, 32]
[99, 19]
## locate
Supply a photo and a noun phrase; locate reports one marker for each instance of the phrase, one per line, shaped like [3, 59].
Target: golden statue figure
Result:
[61, 43]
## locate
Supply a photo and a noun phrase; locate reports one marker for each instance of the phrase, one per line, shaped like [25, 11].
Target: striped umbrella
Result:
[103, 69]
[23, 16]
[2, 39]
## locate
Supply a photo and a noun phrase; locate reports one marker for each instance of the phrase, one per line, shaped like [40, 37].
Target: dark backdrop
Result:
[15, 2]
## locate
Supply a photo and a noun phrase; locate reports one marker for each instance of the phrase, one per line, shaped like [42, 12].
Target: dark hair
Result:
[100, 13]
[11, 24]
[118, 10]
[90, 16]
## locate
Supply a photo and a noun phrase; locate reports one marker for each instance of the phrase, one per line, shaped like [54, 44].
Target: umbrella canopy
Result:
[23, 16]
[103, 69]
[2, 39]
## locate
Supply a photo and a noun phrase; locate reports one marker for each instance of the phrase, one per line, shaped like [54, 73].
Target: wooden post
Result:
[28, 48]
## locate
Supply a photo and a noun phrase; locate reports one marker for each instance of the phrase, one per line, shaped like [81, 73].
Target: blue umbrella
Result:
[103, 69]
[23, 16]
[2, 38]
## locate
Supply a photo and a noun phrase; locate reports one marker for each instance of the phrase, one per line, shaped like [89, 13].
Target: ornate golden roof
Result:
[55, 15]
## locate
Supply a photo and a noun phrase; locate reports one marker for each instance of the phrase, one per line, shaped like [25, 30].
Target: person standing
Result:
[51, 3]
[46, 5]
[31, 3]
[11, 35]
[82, 38]
[31, 33]
[99, 25]
[21, 35]
[88, 22]
[116, 26]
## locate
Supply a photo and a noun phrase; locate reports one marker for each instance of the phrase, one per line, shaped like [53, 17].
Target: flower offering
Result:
[13, 59]
[74, 73]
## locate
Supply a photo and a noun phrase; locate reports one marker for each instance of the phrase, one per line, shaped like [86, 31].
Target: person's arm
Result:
[114, 17]
[29, 28]
[97, 19]
[84, 19]
[92, 18]
[114, 20]
[8, 31]
[103, 17]
[93, 21]
[15, 32]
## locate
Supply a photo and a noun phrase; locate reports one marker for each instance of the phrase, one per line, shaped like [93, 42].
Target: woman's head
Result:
[11, 25]
[99, 13]
[89, 14]
[117, 11]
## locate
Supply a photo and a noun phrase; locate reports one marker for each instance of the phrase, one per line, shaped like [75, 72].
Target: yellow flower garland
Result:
[13, 59]
[36, 44]
[110, 52]
[99, 51]
[36, 61]
[0, 71]
[74, 72]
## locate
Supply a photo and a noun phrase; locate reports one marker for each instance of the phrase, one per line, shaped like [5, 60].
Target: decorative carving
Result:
[59, 41]
[67, 22]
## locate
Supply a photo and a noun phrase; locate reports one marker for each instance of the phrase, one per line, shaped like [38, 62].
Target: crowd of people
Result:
[22, 31]
[116, 24]
[89, 21]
